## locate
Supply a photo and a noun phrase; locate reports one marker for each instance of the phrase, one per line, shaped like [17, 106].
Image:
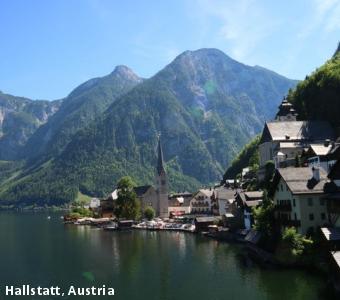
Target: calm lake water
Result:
[137, 264]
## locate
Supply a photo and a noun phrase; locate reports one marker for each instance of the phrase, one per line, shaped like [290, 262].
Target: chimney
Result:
[316, 173]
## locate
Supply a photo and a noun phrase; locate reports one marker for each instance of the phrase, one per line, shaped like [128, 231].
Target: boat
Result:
[111, 227]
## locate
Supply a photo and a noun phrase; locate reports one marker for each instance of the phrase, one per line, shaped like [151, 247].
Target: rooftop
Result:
[331, 234]
[300, 180]
[297, 130]
[141, 190]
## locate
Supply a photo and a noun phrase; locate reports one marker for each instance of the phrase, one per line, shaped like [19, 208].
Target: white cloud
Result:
[325, 15]
[243, 24]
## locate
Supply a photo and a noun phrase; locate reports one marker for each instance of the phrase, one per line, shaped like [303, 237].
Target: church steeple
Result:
[160, 162]
[161, 183]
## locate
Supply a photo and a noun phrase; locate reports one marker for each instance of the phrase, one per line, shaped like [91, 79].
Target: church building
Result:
[161, 185]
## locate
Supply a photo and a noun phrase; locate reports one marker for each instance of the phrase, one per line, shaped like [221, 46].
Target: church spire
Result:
[160, 162]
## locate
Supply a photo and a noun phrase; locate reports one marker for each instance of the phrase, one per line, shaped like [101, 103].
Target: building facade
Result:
[299, 199]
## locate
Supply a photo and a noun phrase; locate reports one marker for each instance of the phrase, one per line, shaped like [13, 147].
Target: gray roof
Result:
[254, 195]
[141, 190]
[331, 234]
[301, 181]
[320, 149]
[223, 193]
[299, 130]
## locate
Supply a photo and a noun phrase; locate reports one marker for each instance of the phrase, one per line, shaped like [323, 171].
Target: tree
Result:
[292, 245]
[149, 213]
[127, 204]
[265, 222]
[264, 216]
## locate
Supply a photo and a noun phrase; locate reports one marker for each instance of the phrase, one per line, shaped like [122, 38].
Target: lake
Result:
[142, 265]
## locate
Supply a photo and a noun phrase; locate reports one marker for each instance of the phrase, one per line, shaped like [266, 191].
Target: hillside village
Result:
[302, 193]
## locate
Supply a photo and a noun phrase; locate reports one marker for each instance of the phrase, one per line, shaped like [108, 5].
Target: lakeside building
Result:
[298, 195]
[242, 207]
[223, 200]
[201, 202]
[179, 204]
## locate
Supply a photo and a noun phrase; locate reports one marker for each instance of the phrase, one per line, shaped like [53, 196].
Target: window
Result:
[310, 201]
[311, 217]
[322, 201]
[295, 217]
[281, 186]
[323, 216]
[294, 204]
[286, 187]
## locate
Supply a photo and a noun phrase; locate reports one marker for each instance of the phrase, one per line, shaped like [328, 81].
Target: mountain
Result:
[206, 107]
[317, 97]
[19, 119]
[83, 105]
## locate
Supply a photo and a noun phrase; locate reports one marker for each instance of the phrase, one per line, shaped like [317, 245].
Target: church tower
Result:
[161, 184]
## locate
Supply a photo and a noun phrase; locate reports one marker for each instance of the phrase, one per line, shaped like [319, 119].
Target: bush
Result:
[292, 246]
[149, 213]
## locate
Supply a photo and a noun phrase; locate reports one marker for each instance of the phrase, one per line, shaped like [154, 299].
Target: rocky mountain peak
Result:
[125, 72]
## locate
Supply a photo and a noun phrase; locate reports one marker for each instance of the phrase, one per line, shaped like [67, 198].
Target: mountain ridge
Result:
[206, 106]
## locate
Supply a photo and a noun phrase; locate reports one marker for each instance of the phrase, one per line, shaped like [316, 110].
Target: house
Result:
[299, 198]
[94, 203]
[322, 155]
[224, 197]
[332, 195]
[201, 202]
[179, 204]
[203, 223]
[243, 205]
[281, 141]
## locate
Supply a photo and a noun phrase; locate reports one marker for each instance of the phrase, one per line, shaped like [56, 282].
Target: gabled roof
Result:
[223, 193]
[320, 149]
[300, 180]
[297, 130]
[141, 190]
[206, 192]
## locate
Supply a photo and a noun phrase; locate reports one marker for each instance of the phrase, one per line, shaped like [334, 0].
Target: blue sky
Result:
[47, 48]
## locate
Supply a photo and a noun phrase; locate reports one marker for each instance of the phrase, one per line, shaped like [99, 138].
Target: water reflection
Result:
[140, 264]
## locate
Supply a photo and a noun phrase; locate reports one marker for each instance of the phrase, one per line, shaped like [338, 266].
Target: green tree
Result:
[149, 213]
[292, 246]
[127, 204]
[264, 217]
